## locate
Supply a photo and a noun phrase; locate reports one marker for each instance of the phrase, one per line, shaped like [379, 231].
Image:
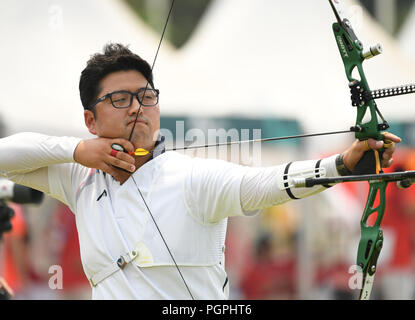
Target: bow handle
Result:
[371, 161]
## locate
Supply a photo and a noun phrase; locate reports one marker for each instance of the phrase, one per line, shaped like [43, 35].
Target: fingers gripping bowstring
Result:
[132, 176]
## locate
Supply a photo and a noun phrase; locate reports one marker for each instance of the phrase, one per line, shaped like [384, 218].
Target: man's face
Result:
[111, 122]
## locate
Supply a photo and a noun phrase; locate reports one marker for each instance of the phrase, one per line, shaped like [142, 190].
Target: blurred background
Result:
[229, 65]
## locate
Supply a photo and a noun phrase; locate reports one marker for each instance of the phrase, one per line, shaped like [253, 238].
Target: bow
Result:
[353, 55]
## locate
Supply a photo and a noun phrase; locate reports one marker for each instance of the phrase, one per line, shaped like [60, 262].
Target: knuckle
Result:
[131, 159]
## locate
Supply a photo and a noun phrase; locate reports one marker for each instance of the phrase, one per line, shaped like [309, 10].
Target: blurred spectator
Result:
[237, 253]
[15, 262]
[396, 271]
[65, 246]
[269, 277]
[334, 279]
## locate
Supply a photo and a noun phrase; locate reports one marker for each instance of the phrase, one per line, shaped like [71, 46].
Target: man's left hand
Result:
[352, 155]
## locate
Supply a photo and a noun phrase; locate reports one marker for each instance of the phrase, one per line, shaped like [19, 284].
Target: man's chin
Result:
[141, 142]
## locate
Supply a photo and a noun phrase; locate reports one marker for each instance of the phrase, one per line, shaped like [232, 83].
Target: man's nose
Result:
[135, 106]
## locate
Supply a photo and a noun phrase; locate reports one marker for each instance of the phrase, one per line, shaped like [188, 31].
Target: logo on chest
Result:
[103, 194]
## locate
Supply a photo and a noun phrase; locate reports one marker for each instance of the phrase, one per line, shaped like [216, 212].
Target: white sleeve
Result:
[34, 160]
[28, 151]
[64, 181]
[265, 187]
[213, 190]
[219, 189]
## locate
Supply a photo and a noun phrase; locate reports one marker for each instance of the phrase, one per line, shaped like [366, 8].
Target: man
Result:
[150, 226]
[14, 257]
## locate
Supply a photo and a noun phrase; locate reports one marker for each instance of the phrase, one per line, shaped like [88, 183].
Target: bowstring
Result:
[129, 139]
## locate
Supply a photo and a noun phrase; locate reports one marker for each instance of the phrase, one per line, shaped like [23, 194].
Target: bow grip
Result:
[371, 161]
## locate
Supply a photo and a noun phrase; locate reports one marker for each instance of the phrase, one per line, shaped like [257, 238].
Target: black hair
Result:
[116, 57]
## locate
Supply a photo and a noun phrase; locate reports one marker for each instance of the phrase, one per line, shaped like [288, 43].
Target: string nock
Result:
[372, 51]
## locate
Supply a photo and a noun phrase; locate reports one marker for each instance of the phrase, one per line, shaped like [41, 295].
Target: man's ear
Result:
[89, 118]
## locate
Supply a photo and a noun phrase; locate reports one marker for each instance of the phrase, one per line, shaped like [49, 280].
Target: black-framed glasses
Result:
[121, 99]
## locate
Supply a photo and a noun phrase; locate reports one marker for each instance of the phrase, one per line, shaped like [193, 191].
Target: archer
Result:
[152, 225]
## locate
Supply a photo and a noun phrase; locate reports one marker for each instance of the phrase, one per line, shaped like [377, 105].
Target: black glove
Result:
[6, 213]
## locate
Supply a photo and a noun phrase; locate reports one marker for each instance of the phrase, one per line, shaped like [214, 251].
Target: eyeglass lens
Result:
[124, 99]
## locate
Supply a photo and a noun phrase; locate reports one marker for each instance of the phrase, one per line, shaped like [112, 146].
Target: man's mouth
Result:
[137, 121]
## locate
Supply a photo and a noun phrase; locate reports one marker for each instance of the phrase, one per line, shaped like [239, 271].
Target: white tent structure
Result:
[279, 58]
[247, 58]
[45, 48]
[406, 35]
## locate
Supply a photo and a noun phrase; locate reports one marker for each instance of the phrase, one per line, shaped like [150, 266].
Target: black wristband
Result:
[341, 168]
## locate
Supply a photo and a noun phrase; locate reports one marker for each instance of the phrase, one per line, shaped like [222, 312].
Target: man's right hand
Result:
[96, 153]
